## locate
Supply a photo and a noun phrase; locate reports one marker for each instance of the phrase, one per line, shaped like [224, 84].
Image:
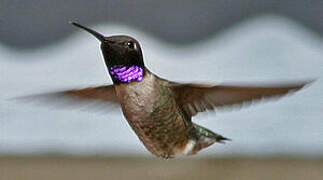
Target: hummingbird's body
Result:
[154, 115]
[160, 111]
[157, 119]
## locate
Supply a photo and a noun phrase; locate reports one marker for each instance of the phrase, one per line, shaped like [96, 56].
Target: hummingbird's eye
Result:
[130, 44]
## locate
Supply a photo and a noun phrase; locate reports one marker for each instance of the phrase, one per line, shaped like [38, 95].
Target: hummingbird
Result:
[160, 111]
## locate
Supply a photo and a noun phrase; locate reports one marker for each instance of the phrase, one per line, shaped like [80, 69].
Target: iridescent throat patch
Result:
[127, 74]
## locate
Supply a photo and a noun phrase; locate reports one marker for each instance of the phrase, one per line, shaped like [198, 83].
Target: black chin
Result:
[111, 59]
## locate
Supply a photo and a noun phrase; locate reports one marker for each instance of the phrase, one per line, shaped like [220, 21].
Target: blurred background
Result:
[200, 41]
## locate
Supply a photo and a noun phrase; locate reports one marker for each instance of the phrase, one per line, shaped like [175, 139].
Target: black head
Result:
[118, 51]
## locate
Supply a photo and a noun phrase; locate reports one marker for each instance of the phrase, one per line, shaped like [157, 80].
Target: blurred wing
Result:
[101, 93]
[196, 98]
[97, 98]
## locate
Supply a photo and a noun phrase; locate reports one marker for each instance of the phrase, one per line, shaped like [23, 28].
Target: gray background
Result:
[32, 24]
[209, 41]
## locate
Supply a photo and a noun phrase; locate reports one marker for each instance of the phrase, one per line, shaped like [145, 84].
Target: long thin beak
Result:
[94, 33]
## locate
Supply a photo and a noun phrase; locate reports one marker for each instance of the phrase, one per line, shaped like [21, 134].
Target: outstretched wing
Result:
[101, 93]
[196, 98]
[93, 97]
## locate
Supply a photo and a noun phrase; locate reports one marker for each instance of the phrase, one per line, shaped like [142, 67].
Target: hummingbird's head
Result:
[122, 55]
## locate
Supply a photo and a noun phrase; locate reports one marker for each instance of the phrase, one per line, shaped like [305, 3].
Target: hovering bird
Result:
[160, 111]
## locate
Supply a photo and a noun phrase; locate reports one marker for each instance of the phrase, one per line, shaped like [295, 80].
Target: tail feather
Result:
[205, 137]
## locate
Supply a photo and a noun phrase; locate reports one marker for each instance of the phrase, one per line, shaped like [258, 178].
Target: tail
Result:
[204, 138]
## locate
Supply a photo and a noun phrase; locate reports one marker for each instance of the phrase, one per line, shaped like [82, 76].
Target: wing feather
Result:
[92, 98]
[196, 98]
